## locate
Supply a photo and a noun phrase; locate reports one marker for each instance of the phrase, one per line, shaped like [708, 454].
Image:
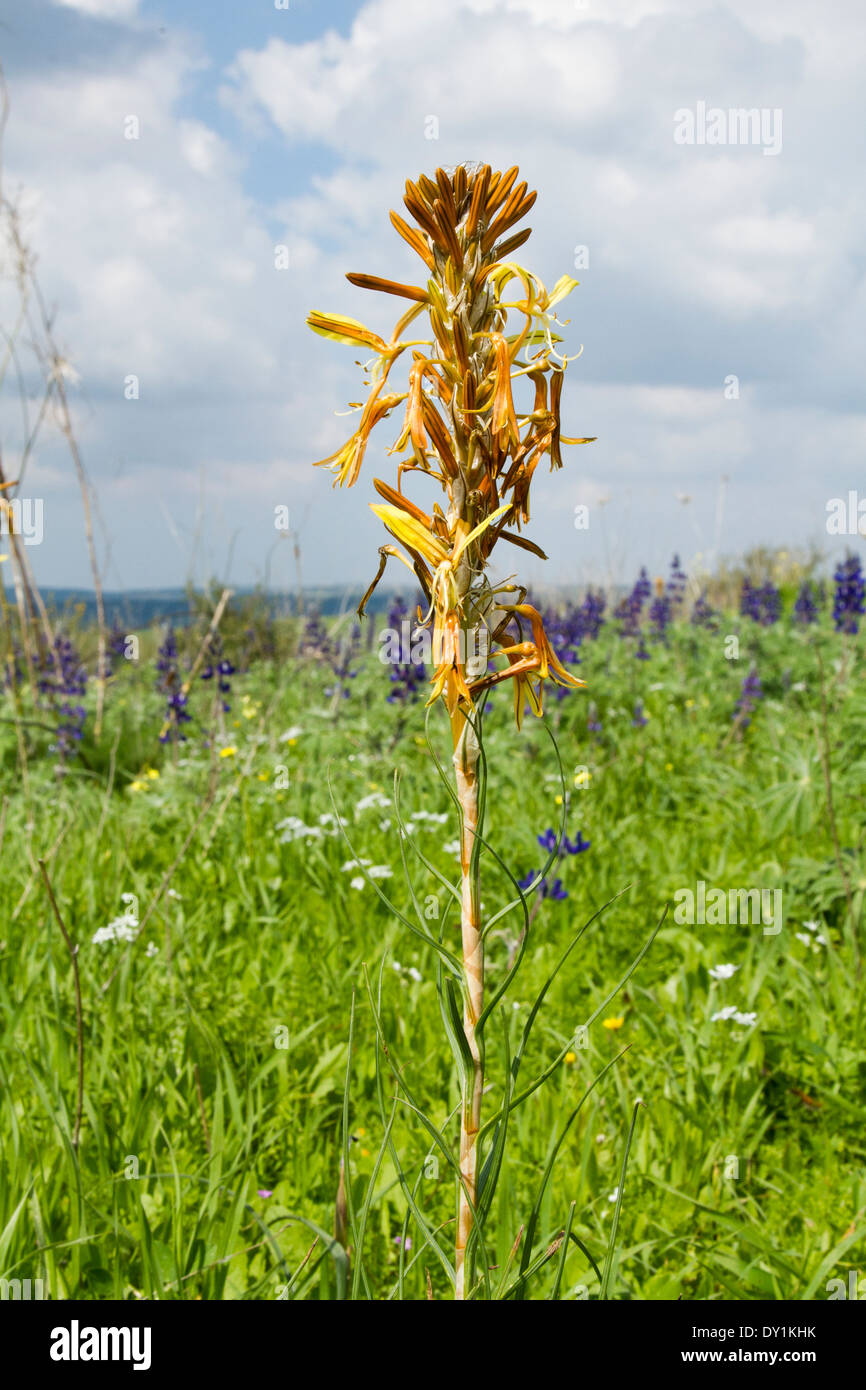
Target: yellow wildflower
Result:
[463, 426]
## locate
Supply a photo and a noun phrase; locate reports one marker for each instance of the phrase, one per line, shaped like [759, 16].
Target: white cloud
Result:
[703, 262]
[101, 9]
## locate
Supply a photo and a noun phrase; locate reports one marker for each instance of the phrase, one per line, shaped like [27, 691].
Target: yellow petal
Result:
[411, 532]
[563, 287]
[344, 330]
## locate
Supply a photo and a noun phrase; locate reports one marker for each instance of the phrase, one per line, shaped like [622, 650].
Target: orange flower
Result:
[461, 424]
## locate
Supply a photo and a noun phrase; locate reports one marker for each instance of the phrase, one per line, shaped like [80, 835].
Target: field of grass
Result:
[216, 1042]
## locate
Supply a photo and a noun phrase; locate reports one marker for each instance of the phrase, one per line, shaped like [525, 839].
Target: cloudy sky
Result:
[261, 127]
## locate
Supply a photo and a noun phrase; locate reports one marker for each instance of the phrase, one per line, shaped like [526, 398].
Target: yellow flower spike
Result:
[463, 430]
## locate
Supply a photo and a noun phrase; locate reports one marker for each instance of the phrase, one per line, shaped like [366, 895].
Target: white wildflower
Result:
[374, 799]
[723, 972]
[121, 928]
[730, 1012]
[293, 828]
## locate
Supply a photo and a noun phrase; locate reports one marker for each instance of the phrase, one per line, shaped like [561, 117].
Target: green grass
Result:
[215, 1066]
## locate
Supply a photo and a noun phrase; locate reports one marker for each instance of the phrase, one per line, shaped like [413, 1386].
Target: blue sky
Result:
[262, 127]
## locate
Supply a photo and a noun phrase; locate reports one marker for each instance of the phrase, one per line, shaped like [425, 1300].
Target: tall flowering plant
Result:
[478, 324]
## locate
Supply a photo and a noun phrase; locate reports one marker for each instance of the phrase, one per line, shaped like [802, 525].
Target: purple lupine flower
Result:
[63, 678]
[591, 614]
[850, 597]
[409, 676]
[341, 657]
[771, 604]
[629, 610]
[577, 846]
[805, 608]
[763, 605]
[660, 615]
[703, 614]
[220, 669]
[553, 890]
[676, 585]
[750, 694]
[750, 601]
[548, 841]
[169, 683]
[314, 640]
[115, 648]
[593, 723]
[639, 719]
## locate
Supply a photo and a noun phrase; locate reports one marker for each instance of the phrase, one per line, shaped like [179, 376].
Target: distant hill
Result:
[143, 607]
